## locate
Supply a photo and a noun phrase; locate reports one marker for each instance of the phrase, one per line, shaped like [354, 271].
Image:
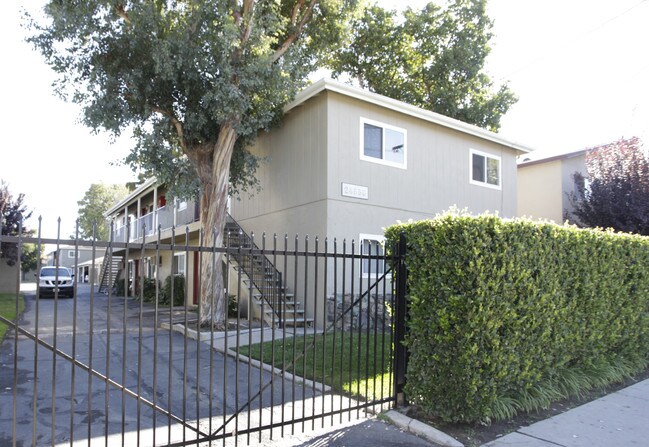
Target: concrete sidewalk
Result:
[618, 419]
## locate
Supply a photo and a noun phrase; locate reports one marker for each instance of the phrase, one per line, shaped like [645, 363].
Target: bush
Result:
[148, 290]
[119, 287]
[511, 315]
[178, 290]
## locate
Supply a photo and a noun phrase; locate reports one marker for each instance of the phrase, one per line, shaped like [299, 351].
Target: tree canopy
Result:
[98, 199]
[432, 58]
[196, 80]
[614, 193]
[13, 214]
[180, 72]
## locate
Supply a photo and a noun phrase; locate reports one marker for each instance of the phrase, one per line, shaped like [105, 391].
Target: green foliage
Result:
[119, 287]
[31, 257]
[618, 188]
[233, 306]
[8, 309]
[149, 287]
[432, 58]
[179, 73]
[511, 315]
[98, 199]
[13, 214]
[178, 291]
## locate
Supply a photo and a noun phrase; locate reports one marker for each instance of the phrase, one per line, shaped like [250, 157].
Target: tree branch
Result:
[121, 12]
[283, 48]
[296, 10]
[248, 9]
[177, 124]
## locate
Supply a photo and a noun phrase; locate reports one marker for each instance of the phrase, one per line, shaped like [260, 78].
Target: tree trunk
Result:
[214, 173]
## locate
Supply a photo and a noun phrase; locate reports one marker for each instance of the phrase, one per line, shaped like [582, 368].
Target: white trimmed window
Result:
[383, 143]
[372, 248]
[484, 169]
[71, 254]
[180, 264]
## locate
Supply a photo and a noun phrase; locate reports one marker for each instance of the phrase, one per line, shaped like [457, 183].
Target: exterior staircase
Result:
[110, 271]
[279, 306]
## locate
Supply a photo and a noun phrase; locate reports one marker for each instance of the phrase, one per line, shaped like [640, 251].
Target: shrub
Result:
[148, 290]
[178, 290]
[510, 315]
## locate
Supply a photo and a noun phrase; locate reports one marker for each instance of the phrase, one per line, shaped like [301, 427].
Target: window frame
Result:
[362, 237]
[174, 264]
[486, 156]
[383, 126]
[71, 254]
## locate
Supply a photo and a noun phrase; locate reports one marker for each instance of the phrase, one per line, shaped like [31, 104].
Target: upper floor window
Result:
[485, 169]
[382, 143]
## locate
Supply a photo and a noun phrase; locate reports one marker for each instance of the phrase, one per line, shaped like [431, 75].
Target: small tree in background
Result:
[98, 199]
[432, 58]
[615, 191]
[12, 213]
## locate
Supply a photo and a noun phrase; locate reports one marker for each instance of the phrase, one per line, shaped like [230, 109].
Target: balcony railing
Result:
[164, 217]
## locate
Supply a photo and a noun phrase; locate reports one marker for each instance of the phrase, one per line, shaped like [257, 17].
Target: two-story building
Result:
[343, 164]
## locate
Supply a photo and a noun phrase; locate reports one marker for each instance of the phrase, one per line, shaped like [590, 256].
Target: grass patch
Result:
[8, 309]
[353, 363]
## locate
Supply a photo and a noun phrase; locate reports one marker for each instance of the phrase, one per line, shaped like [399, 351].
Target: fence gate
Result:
[308, 341]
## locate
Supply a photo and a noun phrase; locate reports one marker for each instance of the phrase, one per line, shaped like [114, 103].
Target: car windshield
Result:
[51, 271]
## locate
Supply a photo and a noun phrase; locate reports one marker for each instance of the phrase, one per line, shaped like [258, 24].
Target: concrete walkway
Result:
[618, 419]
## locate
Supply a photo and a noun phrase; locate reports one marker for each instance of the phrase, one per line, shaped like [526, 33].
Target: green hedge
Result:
[511, 315]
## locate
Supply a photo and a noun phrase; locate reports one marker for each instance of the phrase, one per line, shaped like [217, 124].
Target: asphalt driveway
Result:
[134, 366]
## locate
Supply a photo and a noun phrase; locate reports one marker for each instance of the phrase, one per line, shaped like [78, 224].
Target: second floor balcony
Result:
[162, 218]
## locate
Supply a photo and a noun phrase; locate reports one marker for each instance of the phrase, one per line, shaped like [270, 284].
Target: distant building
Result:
[546, 185]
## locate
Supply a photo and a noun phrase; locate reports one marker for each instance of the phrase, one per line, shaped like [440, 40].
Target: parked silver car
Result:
[49, 281]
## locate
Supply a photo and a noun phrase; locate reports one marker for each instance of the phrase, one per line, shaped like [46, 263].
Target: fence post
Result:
[400, 352]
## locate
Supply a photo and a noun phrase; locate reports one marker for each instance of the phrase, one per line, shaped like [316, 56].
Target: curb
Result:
[420, 429]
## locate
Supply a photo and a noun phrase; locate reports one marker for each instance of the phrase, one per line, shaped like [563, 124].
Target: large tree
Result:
[614, 193]
[432, 58]
[98, 199]
[195, 79]
[13, 214]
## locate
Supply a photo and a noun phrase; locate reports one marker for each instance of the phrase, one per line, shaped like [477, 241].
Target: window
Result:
[485, 169]
[382, 143]
[372, 248]
[150, 268]
[71, 254]
[179, 266]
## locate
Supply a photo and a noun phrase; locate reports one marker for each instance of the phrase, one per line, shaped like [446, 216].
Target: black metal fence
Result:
[132, 366]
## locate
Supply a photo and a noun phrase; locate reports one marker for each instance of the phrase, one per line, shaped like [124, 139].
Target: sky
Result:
[579, 68]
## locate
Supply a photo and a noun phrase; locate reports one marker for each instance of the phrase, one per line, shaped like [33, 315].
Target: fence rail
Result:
[132, 366]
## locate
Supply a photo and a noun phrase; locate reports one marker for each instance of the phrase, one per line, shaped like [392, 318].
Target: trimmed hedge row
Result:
[511, 315]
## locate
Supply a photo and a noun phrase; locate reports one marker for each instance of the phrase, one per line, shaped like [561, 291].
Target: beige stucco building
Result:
[546, 185]
[344, 164]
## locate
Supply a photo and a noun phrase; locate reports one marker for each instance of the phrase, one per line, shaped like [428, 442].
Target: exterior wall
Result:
[293, 177]
[436, 178]
[545, 187]
[318, 148]
[540, 192]
[568, 169]
[65, 260]
[9, 277]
